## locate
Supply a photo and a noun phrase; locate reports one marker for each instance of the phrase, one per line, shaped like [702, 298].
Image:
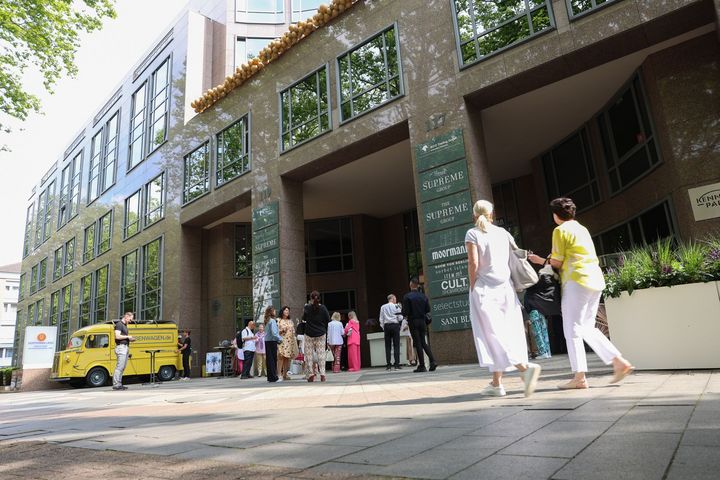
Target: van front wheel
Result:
[166, 373]
[97, 377]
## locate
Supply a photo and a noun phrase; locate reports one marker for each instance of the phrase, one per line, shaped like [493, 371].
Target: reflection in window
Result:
[69, 256]
[27, 242]
[305, 109]
[110, 157]
[129, 283]
[85, 305]
[154, 200]
[103, 158]
[44, 215]
[569, 171]
[580, 7]
[97, 341]
[233, 158]
[489, 26]
[64, 315]
[196, 175]
[648, 227]
[95, 168]
[131, 224]
[36, 312]
[54, 310]
[151, 281]
[57, 263]
[243, 250]
[104, 233]
[69, 190]
[328, 246]
[248, 48]
[100, 300]
[370, 75]
[413, 252]
[304, 9]
[243, 311]
[137, 126]
[21, 288]
[260, 11]
[628, 138]
[159, 105]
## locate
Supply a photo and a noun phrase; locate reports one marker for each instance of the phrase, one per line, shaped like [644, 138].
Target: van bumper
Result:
[60, 379]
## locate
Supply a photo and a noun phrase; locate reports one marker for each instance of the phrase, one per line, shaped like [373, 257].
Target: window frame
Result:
[300, 10]
[102, 157]
[328, 90]
[145, 201]
[58, 263]
[342, 253]
[97, 233]
[134, 113]
[575, 16]
[358, 46]
[28, 240]
[91, 304]
[138, 221]
[43, 219]
[208, 169]
[527, 13]
[241, 16]
[64, 315]
[151, 98]
[143, 278]
[68, 208]
[123, 284]
[248, 232]
[247, 151]
[245, 38]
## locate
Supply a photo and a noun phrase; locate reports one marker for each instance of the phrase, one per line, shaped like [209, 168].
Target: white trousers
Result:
[579, 309]
[497, 326]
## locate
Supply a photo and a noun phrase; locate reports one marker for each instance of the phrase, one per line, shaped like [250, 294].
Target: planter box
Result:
[667, 327]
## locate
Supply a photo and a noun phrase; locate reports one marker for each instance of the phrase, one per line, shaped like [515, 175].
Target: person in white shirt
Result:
[248, 338]
[390, 319]
[335, 339]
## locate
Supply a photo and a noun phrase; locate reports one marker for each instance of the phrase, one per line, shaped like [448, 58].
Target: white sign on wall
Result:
[39, 347]
[705, 201]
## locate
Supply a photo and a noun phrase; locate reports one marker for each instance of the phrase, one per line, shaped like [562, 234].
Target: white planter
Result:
[668, 327]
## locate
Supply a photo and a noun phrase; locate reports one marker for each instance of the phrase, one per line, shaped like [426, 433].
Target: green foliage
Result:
[665, 264]
[6, 376]
[43, 34]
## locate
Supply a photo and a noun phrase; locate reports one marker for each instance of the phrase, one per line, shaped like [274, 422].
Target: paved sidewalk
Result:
[656, 425]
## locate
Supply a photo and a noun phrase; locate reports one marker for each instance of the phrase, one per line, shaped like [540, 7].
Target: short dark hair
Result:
[564, 208]
[414, 281]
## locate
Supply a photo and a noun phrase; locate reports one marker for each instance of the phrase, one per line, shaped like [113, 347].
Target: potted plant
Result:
[663, 304]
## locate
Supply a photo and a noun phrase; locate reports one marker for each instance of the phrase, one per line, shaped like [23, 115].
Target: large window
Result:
[38, 276]
[569, 171]
[305, 109]
[93, 297]
[69, 200]
[247, 48]
[36, 312]
[196, 174]
[64, 315]
[243, 311]
[44, 215]
[628, 138]
[98, 237]
[577, 8]
[341, 301]
[58, 263]
[648, 227]
[329, 246]
[489, 26]
[27, 243]
[21, 287]
[103, 158]
[151, 281]
[149, 115]
[129, 283]
[154, 205]
[69, 256]
[370, 75]
[131, 223]
[54, 309]
[233, 157]
[243, 250]
[260, 11]
[304, 9]
[413, 251]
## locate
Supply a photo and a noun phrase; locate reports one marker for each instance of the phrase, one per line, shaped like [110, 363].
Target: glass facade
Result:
[44, 215]
[305, 109]
[27, 242]
[151, 281]
[69, 200]
[486, 27]
[69, 256]
[103, 158]
[243, 250]
[159, 106]
[247, 48]
[196, 174]
[578, 8]
[260, 11]
[243, 311]
[413, 250]
[329, 246]
[129, 283]
[628, 137]
[137, 127]
[36, 312]
[648, 227]
[154, 205]
[370, 75]
[304, 9]
[569, 171]
[233, 152]
[94, 297]
[131, 222]
[64, 315]
[104, 232]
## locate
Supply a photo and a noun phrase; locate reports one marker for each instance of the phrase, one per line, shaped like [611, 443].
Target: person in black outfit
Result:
[272, 337]
[185, 350]
[415, 306]
[316, 318]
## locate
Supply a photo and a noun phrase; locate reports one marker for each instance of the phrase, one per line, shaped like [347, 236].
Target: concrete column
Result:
[292, 246]
[192, 308]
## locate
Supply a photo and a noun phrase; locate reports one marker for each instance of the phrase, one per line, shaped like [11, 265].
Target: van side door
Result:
[97, 352]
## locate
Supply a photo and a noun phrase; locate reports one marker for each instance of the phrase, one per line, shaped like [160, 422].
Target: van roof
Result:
[143, 322]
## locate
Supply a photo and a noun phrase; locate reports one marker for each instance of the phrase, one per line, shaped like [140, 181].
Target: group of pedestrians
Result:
[495, 311]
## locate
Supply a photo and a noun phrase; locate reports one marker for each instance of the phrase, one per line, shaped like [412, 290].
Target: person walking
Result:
[259, 364]
[122, 347]
[415, 308]
[390, 319]
[409, 348]
[288, 348]
[352, 332]
[573, 253]
[335, 340]
[317, 318]
[248, 338]
[272, 338]
[185, 349]
[495, 312]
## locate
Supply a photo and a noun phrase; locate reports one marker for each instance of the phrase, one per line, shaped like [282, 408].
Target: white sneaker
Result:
[279, 380]
[492, 391]
[530, 377]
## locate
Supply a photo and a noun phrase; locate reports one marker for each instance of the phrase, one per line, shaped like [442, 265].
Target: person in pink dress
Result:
[352, 332]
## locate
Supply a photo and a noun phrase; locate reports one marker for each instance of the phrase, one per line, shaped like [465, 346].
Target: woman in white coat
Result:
[495, 312]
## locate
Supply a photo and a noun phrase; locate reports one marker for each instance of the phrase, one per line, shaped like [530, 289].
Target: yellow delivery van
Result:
[90, 355]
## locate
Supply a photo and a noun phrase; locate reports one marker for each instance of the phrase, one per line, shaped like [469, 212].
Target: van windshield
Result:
[76, 341]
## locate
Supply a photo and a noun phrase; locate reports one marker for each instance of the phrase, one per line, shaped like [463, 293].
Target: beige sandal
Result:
[574, 385]
[622, 373]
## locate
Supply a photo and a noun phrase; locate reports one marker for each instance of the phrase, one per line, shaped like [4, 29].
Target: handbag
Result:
[329, 357]
[545, 295]
[522, 274]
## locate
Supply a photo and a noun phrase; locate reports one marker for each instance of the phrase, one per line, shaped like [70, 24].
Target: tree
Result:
[43, 34]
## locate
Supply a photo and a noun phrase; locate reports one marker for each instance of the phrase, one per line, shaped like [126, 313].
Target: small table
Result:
[152, 366]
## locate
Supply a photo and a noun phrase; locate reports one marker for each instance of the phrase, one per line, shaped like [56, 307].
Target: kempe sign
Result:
[705, 201]
[39, 347]
[446, 212]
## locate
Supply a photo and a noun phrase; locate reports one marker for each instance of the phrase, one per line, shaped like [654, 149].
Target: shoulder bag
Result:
[522, 274]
